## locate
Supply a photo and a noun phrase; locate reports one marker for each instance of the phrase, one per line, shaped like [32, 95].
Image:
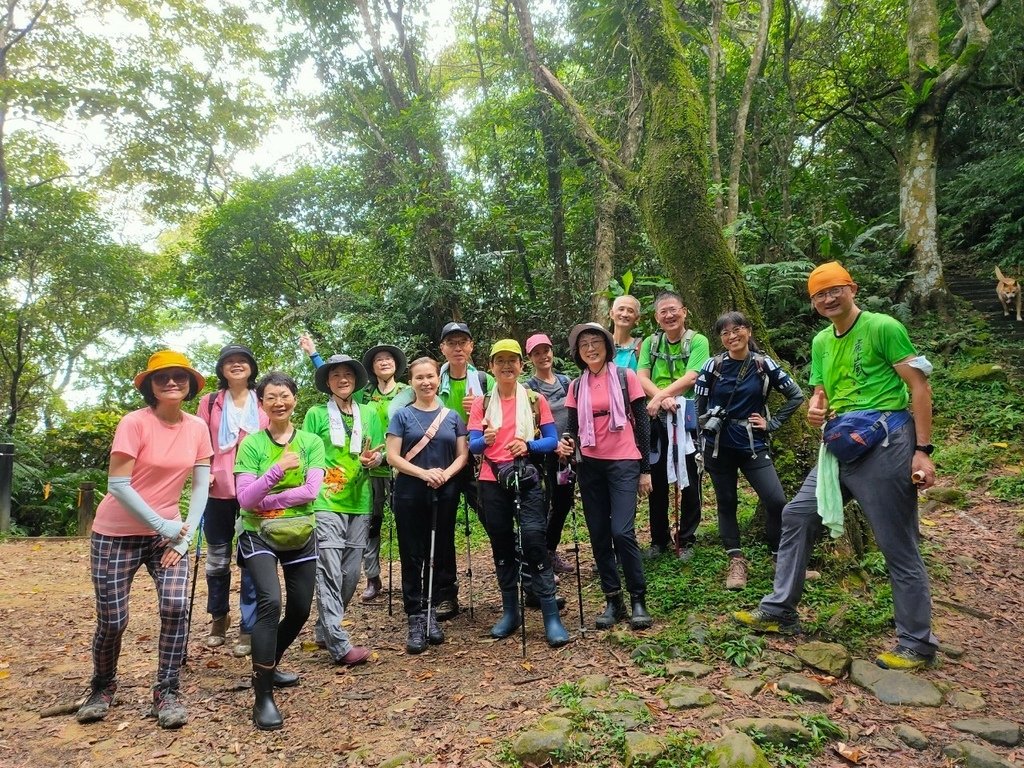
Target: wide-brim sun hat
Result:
[574, 335]
[168, 358]
[535, 341]
[506, 345]
[333, 362]
[401, 363]
[237, 349]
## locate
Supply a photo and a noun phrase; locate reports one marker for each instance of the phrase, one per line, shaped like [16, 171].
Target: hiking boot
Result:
[96, 706]
[374, 586]
[761, 621]
[447, 609]
[736, 578]
[435, 635]
[685, 553]
[653, 551]
[243, 646]
[218, 628]
[559, 564]
[614, 612]
[416, 642]
[905, 659]
[168, 708]
[640, 618]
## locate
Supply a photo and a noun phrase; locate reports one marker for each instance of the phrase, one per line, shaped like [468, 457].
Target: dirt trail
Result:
[455, 704]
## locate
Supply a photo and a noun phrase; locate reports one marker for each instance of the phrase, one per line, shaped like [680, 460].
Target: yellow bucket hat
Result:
[168, 358]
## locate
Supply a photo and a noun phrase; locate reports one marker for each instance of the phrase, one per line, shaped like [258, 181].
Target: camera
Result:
[712, 419]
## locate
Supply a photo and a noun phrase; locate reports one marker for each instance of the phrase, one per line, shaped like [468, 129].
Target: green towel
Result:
[828, 493]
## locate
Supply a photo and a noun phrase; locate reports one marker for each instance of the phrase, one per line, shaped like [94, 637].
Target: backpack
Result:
[762, 371]
[622, 385]
[655, 350]
[563, 382]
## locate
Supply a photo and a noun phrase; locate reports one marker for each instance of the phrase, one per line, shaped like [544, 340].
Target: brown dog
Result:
[1007, 289]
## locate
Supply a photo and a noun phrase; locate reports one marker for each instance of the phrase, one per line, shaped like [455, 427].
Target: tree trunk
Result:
[604, 254]
[714, 57]
[918, 216]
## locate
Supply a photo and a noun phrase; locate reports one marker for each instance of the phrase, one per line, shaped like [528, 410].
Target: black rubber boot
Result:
[614, 611]
[554, 631]
[285, 679]
[532, 601]
[640, 619]
[417, 640]
[510, 617]
[265, 714]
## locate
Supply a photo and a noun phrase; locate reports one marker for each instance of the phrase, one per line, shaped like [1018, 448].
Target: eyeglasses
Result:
[670, 311]
[591, 343]
[282, 398]
[161, 378]
[457, 344]
[732, 331]
[829, 293]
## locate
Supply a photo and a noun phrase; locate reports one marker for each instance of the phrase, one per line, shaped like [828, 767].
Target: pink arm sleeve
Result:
[294, 496]
[251, 490]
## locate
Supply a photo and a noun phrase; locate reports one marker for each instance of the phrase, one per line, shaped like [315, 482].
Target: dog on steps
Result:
[1007, 289]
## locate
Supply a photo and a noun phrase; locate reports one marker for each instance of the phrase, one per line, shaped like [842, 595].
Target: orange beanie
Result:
[828, 275]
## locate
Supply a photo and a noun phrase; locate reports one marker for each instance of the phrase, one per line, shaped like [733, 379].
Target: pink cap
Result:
[536, 340]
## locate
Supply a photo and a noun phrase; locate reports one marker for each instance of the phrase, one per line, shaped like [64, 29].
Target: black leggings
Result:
[760, 473]
[269, 639]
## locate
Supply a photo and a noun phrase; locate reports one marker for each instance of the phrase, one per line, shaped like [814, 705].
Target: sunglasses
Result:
[161, 378]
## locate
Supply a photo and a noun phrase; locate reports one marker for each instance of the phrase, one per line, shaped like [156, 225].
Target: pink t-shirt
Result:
[497, 452]
[222, 465]
[164, 456]
[609, 445]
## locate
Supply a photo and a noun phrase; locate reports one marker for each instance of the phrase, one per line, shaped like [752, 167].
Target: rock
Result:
[975, 756]
[697, 629]
[645, 651]
[691, 669]
[893, 687]
[910, 736]
[953, 651]
[969, 563]
[1001, 732]
[851, 705]
[686, 697]
[402, 758]
[775, 729]
[981, 372]
[714, 712]
[539, 745]
[748, 686]
[950, 496]
[227, 760]
[737, 750]
[830, 658]
[619, 637]
[643, 749]
[554, 723]
[783, 660]
[972, 701]
[627, 713]
[594, 683]
[805, 687]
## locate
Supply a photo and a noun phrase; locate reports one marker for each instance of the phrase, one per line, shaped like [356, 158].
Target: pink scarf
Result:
[616, 406]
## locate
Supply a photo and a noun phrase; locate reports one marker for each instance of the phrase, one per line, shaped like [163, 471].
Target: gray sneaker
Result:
[97, 705]
[168, 708]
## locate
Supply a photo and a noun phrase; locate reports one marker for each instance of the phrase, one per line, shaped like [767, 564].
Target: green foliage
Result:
[1008, 488]
[741, 651]
[798, 753]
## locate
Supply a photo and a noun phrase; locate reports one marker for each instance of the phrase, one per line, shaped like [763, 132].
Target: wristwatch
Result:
[927, 449]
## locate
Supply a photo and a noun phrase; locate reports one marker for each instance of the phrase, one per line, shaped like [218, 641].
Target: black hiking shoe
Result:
[97, 705]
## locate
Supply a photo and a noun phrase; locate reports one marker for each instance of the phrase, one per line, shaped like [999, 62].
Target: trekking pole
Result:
[675, 464]
[522, 585]
[576, 551]
[192, 598]
[391, 553]
[469, 555]
[430, 563]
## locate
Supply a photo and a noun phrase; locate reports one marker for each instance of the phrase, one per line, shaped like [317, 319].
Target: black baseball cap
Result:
[455, 327]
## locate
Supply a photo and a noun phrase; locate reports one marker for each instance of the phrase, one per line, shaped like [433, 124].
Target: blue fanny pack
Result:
[850, 436]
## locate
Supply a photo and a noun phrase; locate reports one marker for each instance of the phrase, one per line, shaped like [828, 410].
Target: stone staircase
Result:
[981, 293]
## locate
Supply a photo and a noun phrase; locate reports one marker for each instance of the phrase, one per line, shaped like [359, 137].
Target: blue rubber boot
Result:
[510, 617]
[554, 631]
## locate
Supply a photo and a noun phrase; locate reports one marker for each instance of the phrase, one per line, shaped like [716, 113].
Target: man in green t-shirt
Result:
[354, 444]
[864, 362]
[670, 361]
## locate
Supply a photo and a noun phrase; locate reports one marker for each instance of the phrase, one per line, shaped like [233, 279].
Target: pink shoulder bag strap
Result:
[428, 435]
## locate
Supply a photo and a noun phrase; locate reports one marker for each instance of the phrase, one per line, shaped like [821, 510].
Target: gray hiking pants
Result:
[880, 482]
[371, 556]
[340, 541]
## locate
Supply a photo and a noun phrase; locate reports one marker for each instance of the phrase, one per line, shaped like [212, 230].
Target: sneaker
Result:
[101, 696]
[559, 565]
[653, 551]
[168, 708]
[760, 621]
[736, 578]
[447, 609]
[904, 659]
[686, 553]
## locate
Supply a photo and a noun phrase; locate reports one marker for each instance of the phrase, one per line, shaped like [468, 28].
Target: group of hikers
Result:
[642, 416]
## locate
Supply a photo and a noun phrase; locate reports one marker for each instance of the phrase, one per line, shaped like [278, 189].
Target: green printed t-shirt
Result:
[257, 453]
[668, 363]
[374, 398]
[457, 391]
[856, 369]
[346, 488]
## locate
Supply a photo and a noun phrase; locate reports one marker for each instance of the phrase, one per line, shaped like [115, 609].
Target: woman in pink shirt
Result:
[608, 421]
[154, 451]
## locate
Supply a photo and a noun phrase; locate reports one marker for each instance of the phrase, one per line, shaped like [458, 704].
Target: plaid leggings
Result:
[114, 561]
